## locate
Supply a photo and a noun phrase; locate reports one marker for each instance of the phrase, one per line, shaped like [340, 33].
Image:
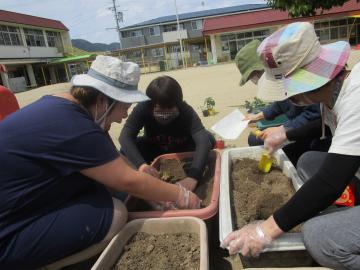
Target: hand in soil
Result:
[145, 168]
[187, 199]
[250, 240]
[188, 183]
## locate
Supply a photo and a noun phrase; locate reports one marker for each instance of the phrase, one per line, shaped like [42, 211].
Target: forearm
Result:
[319, 192]
[311, 129]
[201, 154]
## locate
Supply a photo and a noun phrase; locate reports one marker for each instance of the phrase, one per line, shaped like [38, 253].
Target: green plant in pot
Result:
[209, 103]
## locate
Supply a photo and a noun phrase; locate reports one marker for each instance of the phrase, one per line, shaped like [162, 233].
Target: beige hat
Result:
[295, 62]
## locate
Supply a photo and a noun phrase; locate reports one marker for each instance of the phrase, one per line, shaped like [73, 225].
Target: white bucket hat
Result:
[114, 78]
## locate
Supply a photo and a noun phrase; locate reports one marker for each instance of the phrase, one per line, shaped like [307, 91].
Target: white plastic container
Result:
[112, 253]
[288, 241]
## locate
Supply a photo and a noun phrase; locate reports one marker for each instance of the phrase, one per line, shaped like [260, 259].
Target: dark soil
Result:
[173, 170]
[256, 195]
[161, 252]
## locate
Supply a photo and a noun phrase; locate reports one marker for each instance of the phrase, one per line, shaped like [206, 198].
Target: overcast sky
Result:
[88, 19]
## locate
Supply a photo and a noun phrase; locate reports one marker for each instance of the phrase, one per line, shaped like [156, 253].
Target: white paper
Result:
[231, 126]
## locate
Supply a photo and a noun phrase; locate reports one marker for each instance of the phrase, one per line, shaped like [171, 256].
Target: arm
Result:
[273, 110]
[319, 191]
[203, 147]
[118, 175]
[129, 133]
[308, 114]
[310, 129]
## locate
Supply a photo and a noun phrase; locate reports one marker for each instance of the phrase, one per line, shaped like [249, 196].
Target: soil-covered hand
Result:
[186, 199]
[275, 139]
[188, 183]
[250, 240]
[149, 170]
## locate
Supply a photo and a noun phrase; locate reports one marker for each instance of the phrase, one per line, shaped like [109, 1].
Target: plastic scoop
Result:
[266, 161]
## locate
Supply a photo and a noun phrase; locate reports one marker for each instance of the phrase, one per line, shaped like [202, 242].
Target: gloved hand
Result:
[186, 199]
[149, 170]
[250, 240]
[188, 183]
[275, 139]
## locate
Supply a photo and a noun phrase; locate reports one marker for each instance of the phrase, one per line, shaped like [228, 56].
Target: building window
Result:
[235, 41]
[34, 37]
[336, 29]
[136, 33]
[157, 52]
[197, 25]
[172, 27]
[154, 31]
[125, 34]
[10, 35]
[54, 39]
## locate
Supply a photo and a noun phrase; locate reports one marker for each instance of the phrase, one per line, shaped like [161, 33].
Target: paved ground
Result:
[221, 82]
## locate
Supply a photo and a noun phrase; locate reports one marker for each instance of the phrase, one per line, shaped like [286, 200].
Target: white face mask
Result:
[102, 119]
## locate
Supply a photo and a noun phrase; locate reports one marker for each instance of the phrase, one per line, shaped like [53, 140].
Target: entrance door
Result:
[233, 49]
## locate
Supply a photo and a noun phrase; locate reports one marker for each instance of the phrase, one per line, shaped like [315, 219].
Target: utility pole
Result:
[118, 18]
[178, 30]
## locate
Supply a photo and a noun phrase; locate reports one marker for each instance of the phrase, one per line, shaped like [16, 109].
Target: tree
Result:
[299, 8]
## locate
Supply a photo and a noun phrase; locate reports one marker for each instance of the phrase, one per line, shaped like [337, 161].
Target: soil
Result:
[173, 170]
[256, 195]
[161, 251]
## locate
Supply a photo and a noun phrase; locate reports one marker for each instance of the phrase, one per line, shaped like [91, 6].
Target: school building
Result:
[36, 51]
[216, 35]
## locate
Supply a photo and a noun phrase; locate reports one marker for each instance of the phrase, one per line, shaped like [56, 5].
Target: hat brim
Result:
[245, 77]
[116, 93]
[330, 61]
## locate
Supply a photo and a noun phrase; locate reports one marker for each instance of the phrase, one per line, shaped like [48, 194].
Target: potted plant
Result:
[209, 103]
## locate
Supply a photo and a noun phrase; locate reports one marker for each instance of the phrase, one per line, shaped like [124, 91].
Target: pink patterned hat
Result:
[295, 62]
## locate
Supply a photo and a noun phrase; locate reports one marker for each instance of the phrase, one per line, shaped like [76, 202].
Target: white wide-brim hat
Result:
[114, 78]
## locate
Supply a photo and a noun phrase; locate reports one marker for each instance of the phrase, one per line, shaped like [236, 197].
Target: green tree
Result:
[299, 8]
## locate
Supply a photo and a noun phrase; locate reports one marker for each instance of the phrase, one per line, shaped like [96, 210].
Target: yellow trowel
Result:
[265, 160]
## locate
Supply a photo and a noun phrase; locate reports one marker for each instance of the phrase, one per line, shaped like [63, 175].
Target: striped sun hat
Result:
[295, 62]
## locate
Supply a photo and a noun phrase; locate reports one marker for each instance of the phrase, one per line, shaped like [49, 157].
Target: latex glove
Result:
[186, 199]
[271, 130]
[250, 240]
[149, 170]
[275, 139]
[254, 117]
[188, 183]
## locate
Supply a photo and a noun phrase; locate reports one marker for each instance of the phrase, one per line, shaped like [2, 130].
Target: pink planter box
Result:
[203, 213]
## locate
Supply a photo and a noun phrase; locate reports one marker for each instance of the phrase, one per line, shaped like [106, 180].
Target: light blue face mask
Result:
[165, 117]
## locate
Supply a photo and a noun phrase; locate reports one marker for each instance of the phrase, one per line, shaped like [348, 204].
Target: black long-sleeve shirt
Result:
[321, 190]
[186, 128]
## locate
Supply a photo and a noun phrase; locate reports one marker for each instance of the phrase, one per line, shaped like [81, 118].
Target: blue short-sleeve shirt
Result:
[46, 142]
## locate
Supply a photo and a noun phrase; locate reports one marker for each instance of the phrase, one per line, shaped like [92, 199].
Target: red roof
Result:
[268, 17]
[13, 17]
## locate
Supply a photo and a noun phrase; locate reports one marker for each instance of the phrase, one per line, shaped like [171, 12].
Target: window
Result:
[34, 37]
[154, 31]
[53, 39]
[157, 52]
[10, 35]
[125, 34]
[197, 25]
[136, 33]
[172, 27]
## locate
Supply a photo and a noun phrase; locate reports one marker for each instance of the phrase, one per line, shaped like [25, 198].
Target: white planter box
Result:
[288, 241]
[112, 253]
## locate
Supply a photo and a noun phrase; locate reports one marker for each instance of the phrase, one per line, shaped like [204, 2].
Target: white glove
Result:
[275, 140]
[250, 240]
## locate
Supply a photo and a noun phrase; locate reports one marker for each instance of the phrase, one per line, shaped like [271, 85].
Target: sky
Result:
[89, 19]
